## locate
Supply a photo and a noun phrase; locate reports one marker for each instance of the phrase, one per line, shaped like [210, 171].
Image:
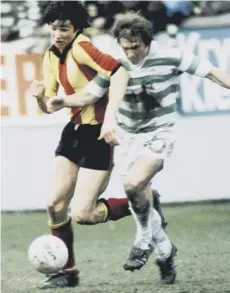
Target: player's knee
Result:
[134, 185]
[56, 209]
[131, 188]
[57, 213]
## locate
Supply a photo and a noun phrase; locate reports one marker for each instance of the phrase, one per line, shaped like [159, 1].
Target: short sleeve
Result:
[193, 64]
[97, 86]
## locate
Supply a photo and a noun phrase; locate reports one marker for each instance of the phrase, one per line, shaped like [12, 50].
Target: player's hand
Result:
[37, 89]
[54, 104]
[109, 133]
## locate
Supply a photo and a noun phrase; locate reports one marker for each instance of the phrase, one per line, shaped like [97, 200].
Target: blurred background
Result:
[200, 167]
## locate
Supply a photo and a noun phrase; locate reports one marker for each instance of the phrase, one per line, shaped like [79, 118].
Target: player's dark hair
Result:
[63, 10]
[130, 25]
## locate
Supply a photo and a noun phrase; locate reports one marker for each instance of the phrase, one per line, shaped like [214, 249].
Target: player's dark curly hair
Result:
[130, 25]
[63, 10]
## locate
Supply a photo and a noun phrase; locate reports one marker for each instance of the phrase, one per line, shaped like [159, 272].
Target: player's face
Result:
[63, 33]
[135, 50]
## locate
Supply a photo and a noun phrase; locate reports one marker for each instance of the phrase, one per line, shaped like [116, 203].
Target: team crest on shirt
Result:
[156, 145]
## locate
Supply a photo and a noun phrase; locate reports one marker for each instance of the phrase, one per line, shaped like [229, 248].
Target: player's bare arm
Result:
[219, 77]
[46, 104]
[80, 99]
[53, 104]
[118, 84]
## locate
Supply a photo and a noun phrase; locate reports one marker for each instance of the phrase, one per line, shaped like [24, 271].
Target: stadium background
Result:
[198, 171]
[200, 167]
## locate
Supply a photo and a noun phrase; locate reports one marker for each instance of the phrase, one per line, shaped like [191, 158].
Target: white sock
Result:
[161, 241]
[144, 233]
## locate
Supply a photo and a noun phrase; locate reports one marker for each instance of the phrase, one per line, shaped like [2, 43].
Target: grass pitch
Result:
[201, 232]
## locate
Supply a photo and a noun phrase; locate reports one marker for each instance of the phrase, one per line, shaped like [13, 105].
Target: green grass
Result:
[201, 232]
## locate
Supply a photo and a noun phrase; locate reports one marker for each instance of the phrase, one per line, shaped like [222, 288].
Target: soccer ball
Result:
[48, 254]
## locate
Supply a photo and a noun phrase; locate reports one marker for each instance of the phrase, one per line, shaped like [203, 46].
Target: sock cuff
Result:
[106, 208]
[56, 226]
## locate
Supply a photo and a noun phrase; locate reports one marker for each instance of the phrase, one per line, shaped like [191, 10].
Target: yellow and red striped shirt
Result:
[73, 69]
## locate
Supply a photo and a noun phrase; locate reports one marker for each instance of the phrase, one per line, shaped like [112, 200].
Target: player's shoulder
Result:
[82, 47]
[82, 42]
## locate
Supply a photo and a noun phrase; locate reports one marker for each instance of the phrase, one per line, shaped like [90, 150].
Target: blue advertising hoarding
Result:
[200, 96]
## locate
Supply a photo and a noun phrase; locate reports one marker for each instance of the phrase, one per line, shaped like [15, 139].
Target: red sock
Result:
[65, 233]
[118, 208]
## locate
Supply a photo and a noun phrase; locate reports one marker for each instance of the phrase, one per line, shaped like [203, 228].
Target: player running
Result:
[146, 120]
[84, 155]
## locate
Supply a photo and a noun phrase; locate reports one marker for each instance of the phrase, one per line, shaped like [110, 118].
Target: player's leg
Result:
[103, 209]
[139, 195]
[59, 221]
[157, 207]
[96, 166]
[161, 147]
[58, 203]
[119, 206]
[65, 177]
[85, 207]
[165, 256]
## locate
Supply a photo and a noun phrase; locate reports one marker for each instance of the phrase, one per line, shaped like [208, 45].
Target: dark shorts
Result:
[82, 147]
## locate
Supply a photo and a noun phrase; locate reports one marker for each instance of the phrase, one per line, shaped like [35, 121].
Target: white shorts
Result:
[157, 144]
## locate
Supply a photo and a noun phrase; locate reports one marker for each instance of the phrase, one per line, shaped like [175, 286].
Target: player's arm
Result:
[86, 54]
[92, 92]
[188, 62]
[118, 84]
[44, 90]
[218, 76]
[95, 90]
[106, 66]
[80, 100]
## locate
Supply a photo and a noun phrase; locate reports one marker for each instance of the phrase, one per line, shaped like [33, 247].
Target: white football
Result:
[48, 254]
